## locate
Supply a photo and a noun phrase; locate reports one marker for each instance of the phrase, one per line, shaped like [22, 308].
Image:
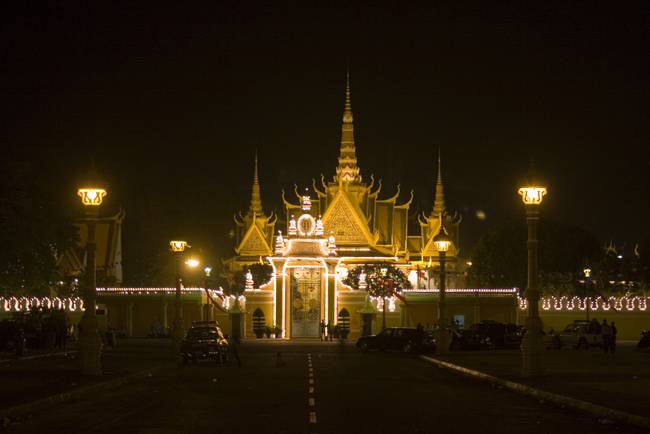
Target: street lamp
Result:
[207, 270]
[587, 292]
[90, 344]
[442, 242]
[178, 247]
[532, 193]
[192, 263]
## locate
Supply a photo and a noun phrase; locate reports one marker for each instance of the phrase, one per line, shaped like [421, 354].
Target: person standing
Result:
[612, 341]
[322, 330]
[606, 334]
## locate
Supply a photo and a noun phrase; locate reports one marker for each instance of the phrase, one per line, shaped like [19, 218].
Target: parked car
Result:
[644, 341]
[487, 334]
[204, 341]
[405, 339]
[579, 334]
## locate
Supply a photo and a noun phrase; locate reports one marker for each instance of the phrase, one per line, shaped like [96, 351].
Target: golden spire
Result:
[255, 207]
[347, 170]
[439, 202]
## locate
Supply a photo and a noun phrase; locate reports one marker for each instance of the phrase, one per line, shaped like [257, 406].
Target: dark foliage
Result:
[500, 257]
[34, 229]
[383, 279]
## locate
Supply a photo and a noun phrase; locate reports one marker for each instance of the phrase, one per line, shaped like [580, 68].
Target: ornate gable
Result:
[345, 221]
[254, 243]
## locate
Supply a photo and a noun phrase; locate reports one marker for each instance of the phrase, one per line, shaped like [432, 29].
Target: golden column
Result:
[532, 346]
[178, 247]
[442, 243]
[90, 343]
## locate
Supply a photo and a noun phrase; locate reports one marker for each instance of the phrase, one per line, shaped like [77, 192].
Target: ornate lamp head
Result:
[442, 240]
[533, 190]
[178, 246]
[91, 196]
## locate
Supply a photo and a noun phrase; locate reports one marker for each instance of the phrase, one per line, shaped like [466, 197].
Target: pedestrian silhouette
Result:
[612, 341]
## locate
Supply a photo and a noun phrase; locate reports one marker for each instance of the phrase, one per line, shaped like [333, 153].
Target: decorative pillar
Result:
[443, 337]
[532, 345]
[90, 344]
[332, 313]
[177, 328]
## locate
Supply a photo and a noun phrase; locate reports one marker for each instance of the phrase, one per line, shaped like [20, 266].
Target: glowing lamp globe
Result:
[207, 270]
[587, 272]
[192, 263]
[532, 195]
[442, 240]
[178, 246]
[91, 196]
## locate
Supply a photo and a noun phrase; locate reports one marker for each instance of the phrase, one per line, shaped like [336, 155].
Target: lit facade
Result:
[338, 224]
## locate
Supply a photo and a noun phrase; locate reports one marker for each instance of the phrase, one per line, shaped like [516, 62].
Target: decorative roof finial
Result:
[347, 170]
[255, 207]
[439, 202]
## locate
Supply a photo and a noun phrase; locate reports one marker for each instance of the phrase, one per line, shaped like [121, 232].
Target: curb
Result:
[31, 407]
[598, 410]
[38, 356]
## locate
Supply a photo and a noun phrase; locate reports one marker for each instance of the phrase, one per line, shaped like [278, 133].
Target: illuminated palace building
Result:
[345, 223]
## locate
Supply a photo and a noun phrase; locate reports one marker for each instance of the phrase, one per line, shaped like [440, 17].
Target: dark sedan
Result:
[487, 335]
[408, 340]
[204, 341]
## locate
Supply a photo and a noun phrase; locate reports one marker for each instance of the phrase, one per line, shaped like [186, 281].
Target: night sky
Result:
[171, 102]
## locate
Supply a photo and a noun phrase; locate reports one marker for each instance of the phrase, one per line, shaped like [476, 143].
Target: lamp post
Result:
[442, 243]
[587, 272]
[532, 194]
[90, 344]
[178, 247]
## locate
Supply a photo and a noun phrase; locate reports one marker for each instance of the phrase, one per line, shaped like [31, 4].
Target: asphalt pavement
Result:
[311, 387]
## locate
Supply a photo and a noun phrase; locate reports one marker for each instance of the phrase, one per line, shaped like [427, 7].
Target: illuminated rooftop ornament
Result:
[91, 196]
[362, 280]
[306, 225]
[306, 202]
[293, 230]
[178, 246]
[279, 243]
[331, 244]
[249, 281]
[442, 240]
[320, 229]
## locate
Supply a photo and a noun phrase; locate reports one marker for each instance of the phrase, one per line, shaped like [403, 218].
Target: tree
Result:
[35, 228]
[235, 283]
[500, 257]
[382, 280]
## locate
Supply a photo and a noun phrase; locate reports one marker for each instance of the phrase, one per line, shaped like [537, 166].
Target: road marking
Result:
[311, 401]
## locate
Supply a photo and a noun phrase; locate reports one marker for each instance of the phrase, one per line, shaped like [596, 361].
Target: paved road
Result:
[349, 392]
